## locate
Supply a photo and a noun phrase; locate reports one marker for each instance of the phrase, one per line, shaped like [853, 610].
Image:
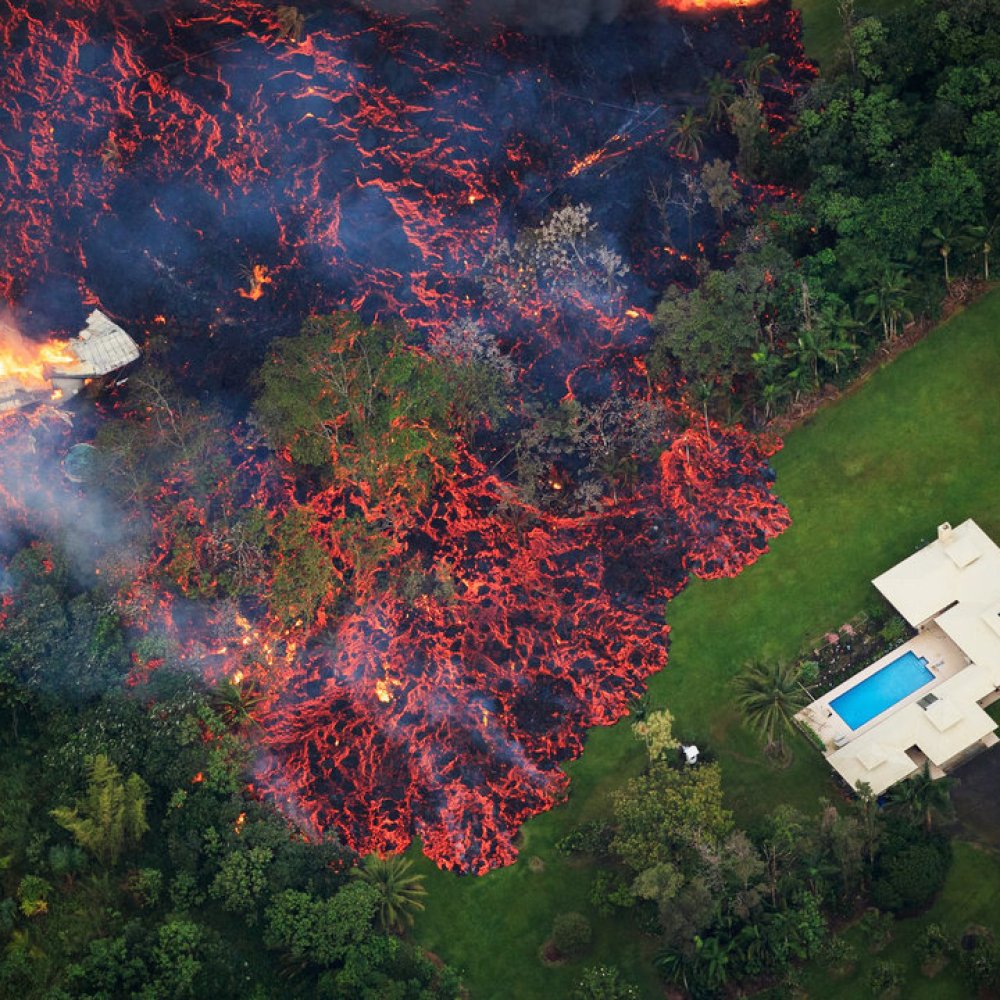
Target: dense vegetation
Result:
[892, 161]
[137, 862]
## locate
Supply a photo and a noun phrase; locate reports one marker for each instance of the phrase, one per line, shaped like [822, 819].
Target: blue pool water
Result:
[875, 694]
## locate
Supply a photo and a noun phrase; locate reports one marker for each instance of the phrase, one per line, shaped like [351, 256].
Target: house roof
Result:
[942, 730]
[974, 626]
[101, 346]
[962, 564]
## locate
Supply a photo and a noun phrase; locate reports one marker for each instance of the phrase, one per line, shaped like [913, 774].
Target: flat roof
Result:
[973, 627]
[962, 564]
[944, 729]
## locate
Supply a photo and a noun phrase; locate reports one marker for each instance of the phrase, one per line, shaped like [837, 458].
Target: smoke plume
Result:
[542, 17]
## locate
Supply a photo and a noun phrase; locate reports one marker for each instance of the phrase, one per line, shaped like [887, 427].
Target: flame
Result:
[238, 825]
[29, 363]
[695, 6]
[258, 278]
[382, 691]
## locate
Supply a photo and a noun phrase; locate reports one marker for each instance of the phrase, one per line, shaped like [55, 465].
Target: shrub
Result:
[980, 963]
[933, 948]
[587, 838]
[912, 877]
[610, 891]
[146, 884]
[876, 928]
[885, 979]
[32, 894]
[839, 955]
[604, 982]
[894, 631]
[571, 934]
[809, 672]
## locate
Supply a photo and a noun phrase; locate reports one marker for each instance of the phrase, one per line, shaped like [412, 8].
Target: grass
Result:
[866, 481]
[822, 27]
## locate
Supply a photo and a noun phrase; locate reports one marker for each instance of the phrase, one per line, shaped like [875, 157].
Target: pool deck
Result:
[944, 660]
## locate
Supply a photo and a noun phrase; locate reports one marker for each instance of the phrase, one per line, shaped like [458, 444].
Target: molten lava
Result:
[146, 150]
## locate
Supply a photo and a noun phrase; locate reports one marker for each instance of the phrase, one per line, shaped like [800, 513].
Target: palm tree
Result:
[686, 135]
[806, 352]
[769, 695]
[759, 61]
[701, 393]
[866, 809]
[234, 702]
[773, 394]
[983, 236]
[922, 797]
[839, 329]
[886, 298]
[719, 93]
[942, 240]
[399, 891]
[769, 370]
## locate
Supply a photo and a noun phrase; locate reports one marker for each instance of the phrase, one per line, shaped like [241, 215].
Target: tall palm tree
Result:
[701, 393]
[942, 239]
[982, 238]
[922, 797]
[719, 92]
[886, 297]
[686, 135]
[773, 395]
[806, 351]
[399, 891]
[760, 61]
[840, 330]
[769, 694]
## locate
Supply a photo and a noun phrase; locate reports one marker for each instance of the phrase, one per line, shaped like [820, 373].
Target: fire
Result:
[238, 825]
[692, 6]
[383, 690]
[258, 277]
[29, 364]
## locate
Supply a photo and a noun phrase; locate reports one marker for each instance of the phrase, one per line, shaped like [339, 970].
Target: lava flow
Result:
[207, 169]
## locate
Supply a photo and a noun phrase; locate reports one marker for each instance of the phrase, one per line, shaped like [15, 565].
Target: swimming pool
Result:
[875, 694]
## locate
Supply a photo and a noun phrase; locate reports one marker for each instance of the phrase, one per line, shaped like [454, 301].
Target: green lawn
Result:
[822, 27]
[866, 481]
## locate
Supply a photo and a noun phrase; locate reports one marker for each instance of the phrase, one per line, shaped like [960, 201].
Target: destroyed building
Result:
[100, 348]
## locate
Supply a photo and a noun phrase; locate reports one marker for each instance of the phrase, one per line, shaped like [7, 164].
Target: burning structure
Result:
[58, 370]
